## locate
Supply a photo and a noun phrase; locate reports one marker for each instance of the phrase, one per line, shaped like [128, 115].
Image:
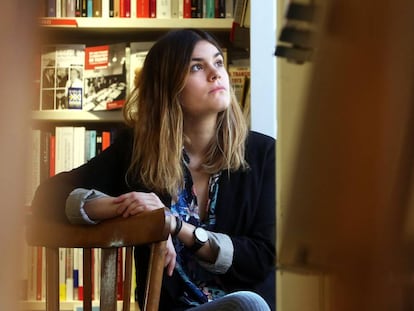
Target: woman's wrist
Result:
[178, 225]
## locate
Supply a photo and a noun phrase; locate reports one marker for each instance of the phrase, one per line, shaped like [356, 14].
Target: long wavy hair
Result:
[154, 111]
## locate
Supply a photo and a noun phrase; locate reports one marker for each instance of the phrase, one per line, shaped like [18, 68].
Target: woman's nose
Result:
[214, 75]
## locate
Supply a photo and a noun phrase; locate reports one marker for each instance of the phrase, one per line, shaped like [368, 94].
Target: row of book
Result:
[63, 149]
[93, 78]
[138, 8]
[70, 274]
[76, 76]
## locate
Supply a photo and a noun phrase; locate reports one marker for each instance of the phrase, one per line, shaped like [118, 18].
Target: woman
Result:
[189, 150]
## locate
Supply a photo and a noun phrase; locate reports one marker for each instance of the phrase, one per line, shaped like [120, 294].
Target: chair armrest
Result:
[144, 228]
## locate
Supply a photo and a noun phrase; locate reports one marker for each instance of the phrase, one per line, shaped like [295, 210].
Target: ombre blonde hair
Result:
[153, 110]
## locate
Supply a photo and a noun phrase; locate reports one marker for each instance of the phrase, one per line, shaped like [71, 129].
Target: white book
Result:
[34, 160]
[64, 149]
[105, 8]
[133, 9]
[163, 9]
[79, 136]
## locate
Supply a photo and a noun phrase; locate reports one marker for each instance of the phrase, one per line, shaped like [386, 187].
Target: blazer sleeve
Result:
[105, 172]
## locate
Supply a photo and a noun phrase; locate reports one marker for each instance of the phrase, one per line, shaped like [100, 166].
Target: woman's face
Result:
[207, 88]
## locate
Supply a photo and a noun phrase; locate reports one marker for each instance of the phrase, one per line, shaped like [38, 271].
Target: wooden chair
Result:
[150, 228]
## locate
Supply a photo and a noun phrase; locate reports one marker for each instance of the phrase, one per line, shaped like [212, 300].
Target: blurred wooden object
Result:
[350, 209]
[147, 228]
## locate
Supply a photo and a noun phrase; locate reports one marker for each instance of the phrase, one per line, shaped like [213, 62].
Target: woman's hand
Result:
[133, 203]
[170, 256]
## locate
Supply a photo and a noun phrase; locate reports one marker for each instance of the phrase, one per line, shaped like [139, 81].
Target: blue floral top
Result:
[200, 285]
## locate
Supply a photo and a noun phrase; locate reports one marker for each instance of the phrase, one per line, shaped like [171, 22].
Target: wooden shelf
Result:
[77, 116]
[136, 24]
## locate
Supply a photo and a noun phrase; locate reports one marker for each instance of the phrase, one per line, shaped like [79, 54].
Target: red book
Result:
[106, 139]
[125, 8]
[153, 8]
[143, 8]
[39, 271]
[187, 9]
[52, 155]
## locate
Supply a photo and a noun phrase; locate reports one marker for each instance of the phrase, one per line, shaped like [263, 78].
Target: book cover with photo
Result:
[105, 77]
[61, 81]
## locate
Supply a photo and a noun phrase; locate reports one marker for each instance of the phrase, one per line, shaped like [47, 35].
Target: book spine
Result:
[84, 8]
[89, 8]
[80, 276]
[143, 9]
[106, 139]
[45, 155]
[78, 8]
[220, 9]
[196, 8]
[111, 8]
[51, 8]
[62, 274]
[229, 4]
[152, 8]
[63, 8]
[97, 8]
[117, 4]
[187, 9]
[209, 8]
[105, 8]
[52, 155]
[70, 8]
[119, 274]
[175, 8]
[39, 272]
[163, 9]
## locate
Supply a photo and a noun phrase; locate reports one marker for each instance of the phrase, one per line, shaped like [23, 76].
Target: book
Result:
[142, 9]
[229, 7]
[137, 54]
[187, 9]
[97, 8]
[105, 77]
[62, 69]
[220, 9]
[34, 158]
[152, 8]
[90, 144]
[196, 8]
[210, 8]
[64, 149]
[238, 77]
[163, 9]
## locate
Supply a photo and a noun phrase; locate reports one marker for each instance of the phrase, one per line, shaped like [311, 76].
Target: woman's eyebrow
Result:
[198, 59]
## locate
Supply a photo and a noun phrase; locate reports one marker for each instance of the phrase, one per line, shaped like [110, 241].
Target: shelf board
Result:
[137, 24]
[78, 115]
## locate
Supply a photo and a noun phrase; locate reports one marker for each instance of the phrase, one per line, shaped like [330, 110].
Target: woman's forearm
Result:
[101, 208]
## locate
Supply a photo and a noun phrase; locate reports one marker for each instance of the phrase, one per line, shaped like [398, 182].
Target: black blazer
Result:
[245, 210]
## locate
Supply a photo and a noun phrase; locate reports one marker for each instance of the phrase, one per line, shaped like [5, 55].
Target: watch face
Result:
[201, 235]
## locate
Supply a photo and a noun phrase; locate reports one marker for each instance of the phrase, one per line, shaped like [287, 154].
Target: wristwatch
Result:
[200, 238]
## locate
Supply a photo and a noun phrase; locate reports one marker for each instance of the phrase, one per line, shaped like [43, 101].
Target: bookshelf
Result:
[96, 31]
[136, 24]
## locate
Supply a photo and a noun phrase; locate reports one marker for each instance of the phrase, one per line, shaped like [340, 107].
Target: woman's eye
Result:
[219, 63]
[196, 67]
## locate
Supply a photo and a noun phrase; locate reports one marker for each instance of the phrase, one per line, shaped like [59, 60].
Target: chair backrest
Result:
[150, 228]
